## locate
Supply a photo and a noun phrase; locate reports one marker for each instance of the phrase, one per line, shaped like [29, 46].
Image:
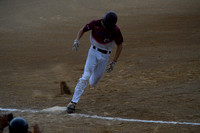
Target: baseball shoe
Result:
[71, 107]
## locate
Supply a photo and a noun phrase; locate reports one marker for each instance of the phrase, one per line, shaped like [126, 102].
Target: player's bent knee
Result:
[93, 84]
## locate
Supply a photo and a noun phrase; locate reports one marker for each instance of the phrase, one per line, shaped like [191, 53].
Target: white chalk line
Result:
[134, 120]
[62, 109]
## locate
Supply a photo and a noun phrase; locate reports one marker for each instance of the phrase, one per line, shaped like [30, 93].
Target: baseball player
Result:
[105, 33]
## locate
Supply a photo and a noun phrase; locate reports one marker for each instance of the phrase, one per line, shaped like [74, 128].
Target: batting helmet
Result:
[109, 19]
[18, 125]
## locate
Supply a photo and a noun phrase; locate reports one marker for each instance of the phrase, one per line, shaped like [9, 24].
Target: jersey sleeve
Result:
[89, 26]
[118, 37]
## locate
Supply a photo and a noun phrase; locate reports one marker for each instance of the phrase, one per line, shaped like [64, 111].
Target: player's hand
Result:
[76, 45]
[110, 67]
[36, 129]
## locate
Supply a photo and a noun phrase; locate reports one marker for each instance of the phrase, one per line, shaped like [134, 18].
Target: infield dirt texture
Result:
[157, 76]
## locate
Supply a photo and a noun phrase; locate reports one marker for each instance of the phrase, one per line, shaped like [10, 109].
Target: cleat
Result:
[71, 107]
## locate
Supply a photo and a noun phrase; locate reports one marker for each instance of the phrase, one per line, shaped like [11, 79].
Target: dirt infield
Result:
[157, 76]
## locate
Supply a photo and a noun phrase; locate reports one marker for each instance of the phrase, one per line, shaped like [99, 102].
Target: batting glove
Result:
[111, 66]
[75, 45]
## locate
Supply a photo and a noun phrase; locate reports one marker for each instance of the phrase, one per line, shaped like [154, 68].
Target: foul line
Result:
[134, 120]
[101, 117]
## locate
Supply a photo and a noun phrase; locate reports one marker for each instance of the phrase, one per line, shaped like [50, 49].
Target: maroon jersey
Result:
[102, 35]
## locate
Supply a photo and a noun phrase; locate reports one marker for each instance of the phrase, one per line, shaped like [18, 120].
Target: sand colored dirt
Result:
[157, 76]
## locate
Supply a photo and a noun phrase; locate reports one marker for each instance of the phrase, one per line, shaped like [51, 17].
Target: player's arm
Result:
[80, 34]
[76, 41]
[118, 52]
[86, 28]
[4, 121]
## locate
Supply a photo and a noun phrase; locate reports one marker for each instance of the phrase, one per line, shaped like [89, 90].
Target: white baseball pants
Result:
[94, 68]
